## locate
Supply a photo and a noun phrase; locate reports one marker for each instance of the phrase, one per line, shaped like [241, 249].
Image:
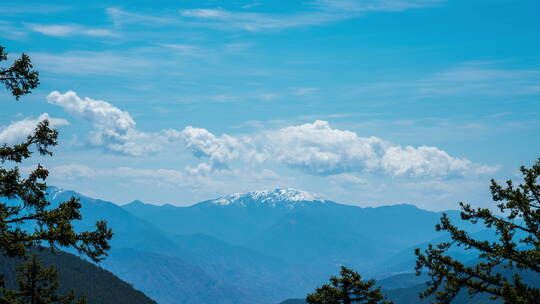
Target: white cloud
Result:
[114, 129]
[11, 30]
[315, 148]
[172, 177]
[97, 112]
[220, 151]
[422, 161]
[18, 131]
[466, 79]
[375, 5]
[120, 17]
[480, 78]
[71, 172]
[186, 49]
[133, 62]
[305, 91]
[319, 149]
[347, 181]
[56, 30]
[42, 8]
[157, 177]
[318, 13]
[98, 33]
[253, 22]
[486, 170]
[252, 5]
[312, 13]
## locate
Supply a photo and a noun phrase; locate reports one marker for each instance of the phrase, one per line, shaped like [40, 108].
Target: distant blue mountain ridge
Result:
[256, 247]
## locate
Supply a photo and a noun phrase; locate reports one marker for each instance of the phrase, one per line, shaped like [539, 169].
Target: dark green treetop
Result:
[517, 248]
[19, 78]
[23, 200]
[37, 285]
[23, 203]
[347, 289]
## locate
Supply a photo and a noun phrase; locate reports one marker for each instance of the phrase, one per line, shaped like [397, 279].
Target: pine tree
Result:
[516, 250]
[19, 78]
[23, 200]
[37, 285]
[347, 289]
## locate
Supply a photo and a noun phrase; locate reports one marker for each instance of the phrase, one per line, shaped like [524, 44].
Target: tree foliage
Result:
[347, 289]
[37, 285]
[27, 219]
[80, 276]
[19, 78]
[23, 200]
[25, 203]
[517, 248]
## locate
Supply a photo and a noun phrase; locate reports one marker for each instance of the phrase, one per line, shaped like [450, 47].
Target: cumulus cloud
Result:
[98, 112]
[114, 129]
[319, 149]
[18, 131]
[315, 148]
[220, 151]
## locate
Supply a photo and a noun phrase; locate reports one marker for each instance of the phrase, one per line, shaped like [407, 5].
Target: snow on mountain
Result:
[53, 192]
[287, 196]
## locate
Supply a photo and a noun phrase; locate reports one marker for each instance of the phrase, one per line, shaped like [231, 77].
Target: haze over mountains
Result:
[258, 247]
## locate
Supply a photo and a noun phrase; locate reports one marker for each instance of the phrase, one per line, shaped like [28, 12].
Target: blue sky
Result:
[363, 102]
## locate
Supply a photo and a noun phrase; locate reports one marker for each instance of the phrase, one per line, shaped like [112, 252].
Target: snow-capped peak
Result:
[54, 191]
[270, 197]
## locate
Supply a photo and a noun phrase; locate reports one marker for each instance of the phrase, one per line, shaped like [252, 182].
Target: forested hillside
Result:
[98, 285]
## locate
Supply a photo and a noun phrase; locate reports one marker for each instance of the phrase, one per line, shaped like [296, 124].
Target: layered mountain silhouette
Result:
[256, 247]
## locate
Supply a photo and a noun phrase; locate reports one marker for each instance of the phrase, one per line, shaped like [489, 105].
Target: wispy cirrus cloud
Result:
[374, 5]
[14, 9]
[11, 30]
[481, 78]
[120, 17]
[253, 22]
[130, 62]
[316, 13]
[76, 171]
[312, 14]
[471, 79]
[162, 178]
[57, 30]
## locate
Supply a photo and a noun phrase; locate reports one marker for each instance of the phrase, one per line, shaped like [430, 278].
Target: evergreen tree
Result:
[517, 248]
[23, 200]
[347, 289]
[37, 285]
[19, 78]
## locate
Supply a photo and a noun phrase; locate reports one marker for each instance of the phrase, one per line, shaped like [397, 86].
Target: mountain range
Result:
[256, 247]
